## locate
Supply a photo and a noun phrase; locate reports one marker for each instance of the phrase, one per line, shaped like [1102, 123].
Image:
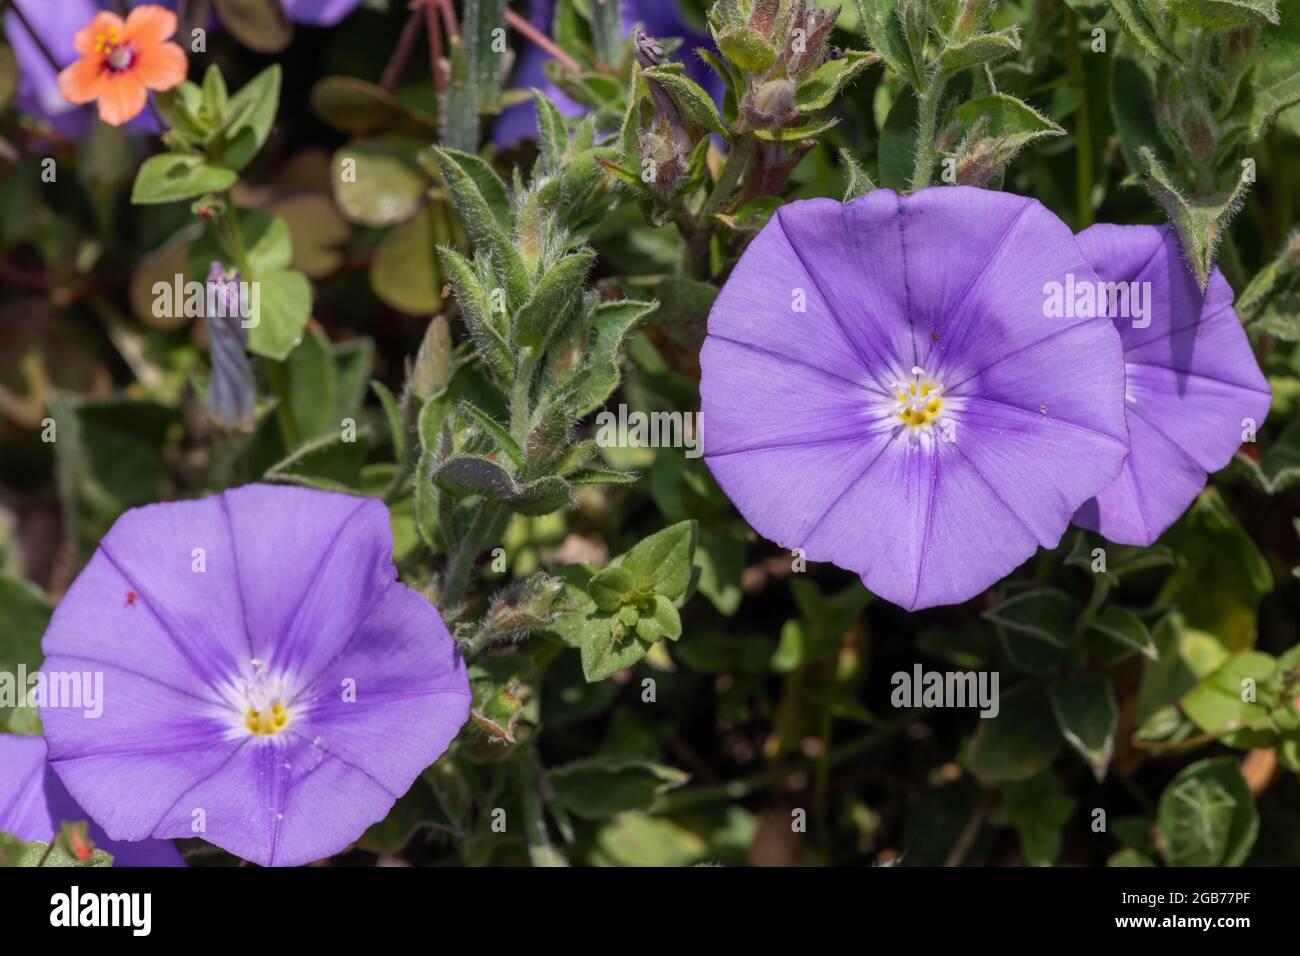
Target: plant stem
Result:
[928, 119]
[691, 797]
[405, 44]
[456, 578]
[741, 152]
[1082, 124]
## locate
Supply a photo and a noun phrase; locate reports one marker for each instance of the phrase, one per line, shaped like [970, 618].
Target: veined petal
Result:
[161, 67]
[83, 81]
[121, 98]
[148, 25]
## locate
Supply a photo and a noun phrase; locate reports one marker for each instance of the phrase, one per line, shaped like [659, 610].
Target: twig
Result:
[435, 46]
[405, 44]
[541, 40]
[972, 829]
[448, 18]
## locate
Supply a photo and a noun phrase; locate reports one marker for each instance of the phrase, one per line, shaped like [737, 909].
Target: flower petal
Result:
[85, 39]
[312, 567]
[84, 80]
[161, 67]
[33, 804]
[1192, 383]
[407, 677]
[121, 98]
[148, 25]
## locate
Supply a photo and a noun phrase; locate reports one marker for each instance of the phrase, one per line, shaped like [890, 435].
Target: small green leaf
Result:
[1224, 14]
[260, 25]
[882, 26]
[254, 107]
[979, 49]
[1021, 741]
[603, 786]
[355, 106]
[377, 182]
[285, 306]
[173, 177]
[404, 271]
[666, 558]
[1207, 815]
[1086, 713]
[466, 475]
[541, 497]
[819, 88]
[1046, 614]
[610, 587]
[494, 430]
[559, 291]
[694, 102]
[747, 49]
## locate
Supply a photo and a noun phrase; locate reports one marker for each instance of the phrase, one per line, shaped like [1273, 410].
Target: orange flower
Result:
[120, 61]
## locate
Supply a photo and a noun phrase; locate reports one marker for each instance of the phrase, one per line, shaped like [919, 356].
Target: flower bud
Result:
[232, 394]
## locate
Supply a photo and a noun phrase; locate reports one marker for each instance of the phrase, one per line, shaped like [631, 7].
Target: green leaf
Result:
[1087, 715]
[694, 102]
[979, 49]
[1275, 77]
[1207, 815]
[1013, 124]
[1045, 614]
[541, 497]
[556, 295]
[404, 271]
[666, 618]
[1220, 576]
[1133, 107]
[254, 107]
[327, 463]
[392, 415]
[1126, 630]
[1223, 14]
[603, 654]
[611, 587]
[747, 49]
[856, 181]
[34, 854]
[429, 428]
[1186, 656]
[490, 187]
[466, 475]
[487, 235]
[1138, 18]
[898, 141]
[319, 234]
[361, 108]
[173, 177]
[313, 386]
[260, 25]
[721, 560]
[1021, 741]
[1038, 808]
[603, 786]
[1218, 705]
[476, 312]
[551, 133]
[795, 134]
[284, 309]
[494, 430]
[666, 558]
[610, 324]
[882, 26]
[24, 616]
[819, 88]
[1201, 221]
[377, 182]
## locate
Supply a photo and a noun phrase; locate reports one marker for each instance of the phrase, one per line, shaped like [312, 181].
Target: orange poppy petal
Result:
[148, 26]
[121, 99]
[84, 39]
[81, 82]
[161, 67]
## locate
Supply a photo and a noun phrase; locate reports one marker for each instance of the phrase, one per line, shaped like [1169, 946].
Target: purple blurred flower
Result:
[268, 685]
[232, 392]
[661, 20]
[921, 422]
[318, 13]
[1192, 385]
[33, 804]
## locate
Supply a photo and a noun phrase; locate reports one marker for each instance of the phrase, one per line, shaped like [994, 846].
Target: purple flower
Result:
[1192, 387]
[318, 13]
[882, 388]
[33, 804]
[268, 685]
[660, 18]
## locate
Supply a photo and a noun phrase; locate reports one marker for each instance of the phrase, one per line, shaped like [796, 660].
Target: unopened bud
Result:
[232, 394]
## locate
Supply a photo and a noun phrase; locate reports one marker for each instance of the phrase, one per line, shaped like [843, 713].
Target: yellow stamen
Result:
[266, 722]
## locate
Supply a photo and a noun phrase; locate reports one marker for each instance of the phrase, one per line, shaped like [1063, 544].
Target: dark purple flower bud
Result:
[232, 395]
